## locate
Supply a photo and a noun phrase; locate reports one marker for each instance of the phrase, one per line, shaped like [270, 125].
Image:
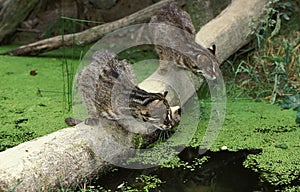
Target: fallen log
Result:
[68, 156]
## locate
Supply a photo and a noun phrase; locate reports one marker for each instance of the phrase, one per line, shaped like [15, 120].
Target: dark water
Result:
[223, 172]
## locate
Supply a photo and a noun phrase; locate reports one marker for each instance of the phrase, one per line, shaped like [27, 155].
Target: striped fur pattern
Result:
[109, 90]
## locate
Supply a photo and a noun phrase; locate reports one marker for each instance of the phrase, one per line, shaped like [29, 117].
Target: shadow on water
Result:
[223, 172]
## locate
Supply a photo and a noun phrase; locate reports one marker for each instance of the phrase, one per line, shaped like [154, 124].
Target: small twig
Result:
[39, 91]
[81, 20]
[29, 30]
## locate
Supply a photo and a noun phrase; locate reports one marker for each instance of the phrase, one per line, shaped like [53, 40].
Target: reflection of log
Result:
[68, 156]
[12, 13]
[90, 35]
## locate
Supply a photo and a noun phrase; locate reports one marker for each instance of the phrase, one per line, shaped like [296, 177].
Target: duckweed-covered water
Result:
[33, 105]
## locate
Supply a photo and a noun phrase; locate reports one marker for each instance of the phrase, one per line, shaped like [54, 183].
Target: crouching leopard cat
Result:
[109, 90]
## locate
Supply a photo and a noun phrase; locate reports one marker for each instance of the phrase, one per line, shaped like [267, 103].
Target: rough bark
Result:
[12, 13]
[90, 35]
[68, 156]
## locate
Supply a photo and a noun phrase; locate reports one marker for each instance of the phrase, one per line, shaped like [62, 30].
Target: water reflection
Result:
[223, 172]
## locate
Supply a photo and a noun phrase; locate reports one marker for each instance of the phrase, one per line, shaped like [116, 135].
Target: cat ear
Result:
[176, 110]
[165, 93]
[175, 115]
[213, 49]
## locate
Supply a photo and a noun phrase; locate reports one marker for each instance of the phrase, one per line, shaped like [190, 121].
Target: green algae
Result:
[248, 125]
[258, 125]
[35, 105]
[31, 105]
[292, 102]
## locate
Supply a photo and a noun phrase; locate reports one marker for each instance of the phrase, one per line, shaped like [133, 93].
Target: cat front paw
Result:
[92, 121]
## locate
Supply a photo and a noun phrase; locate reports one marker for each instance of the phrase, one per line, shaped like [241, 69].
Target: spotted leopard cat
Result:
[177, 30]
[109, 90]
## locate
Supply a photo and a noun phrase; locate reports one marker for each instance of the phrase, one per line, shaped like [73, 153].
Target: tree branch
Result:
[90, 35]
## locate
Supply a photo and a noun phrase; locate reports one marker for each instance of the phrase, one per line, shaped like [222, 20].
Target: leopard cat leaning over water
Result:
[109, 90]
[174, 26]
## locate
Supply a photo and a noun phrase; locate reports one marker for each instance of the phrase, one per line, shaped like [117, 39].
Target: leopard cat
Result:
[109, 90]
[177, 30]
